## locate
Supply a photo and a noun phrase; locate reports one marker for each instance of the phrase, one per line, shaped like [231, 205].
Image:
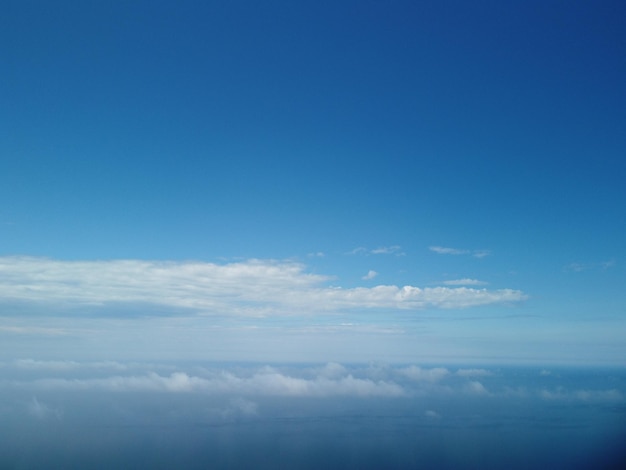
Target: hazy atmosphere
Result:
[291, 234]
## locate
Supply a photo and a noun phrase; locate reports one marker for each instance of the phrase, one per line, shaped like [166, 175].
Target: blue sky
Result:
[267, 177]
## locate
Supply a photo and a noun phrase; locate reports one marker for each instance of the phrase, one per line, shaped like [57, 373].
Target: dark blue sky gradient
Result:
[217, 117]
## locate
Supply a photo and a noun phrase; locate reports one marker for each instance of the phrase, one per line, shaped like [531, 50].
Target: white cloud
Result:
[332, 370]
[241, 384]
[464, 282]
[370, 275]
[387, 250]
[267, 381]
[253, 287]
[409, 297]
[476, 388]
[432, 414]
[442, 250]
[381, 250]
[447, 251]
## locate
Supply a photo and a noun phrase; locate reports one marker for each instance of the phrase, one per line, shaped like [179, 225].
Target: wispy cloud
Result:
[244, 407]
[32, 364]
[447, 251]
[579, 267]
[442, 250]
[429, 375]
[253, 287]
[32, 330]
[464, 282]
[42, 411]
[387, 250]
[560, 393]
[576, 267]
[370, 275]
[474, 373]
[381, 250]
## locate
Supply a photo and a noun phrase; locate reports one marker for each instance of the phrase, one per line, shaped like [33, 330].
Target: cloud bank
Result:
[267, 382]
[243, 383]
[253, 287]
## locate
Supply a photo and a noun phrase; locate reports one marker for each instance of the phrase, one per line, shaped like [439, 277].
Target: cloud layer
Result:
[330, 380]
[253, 287]
[265, 381]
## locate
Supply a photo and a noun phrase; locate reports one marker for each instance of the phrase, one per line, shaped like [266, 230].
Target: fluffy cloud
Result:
[267, 381]
[253, 287]
[332, 370]
[241, 384]
[370, 275]
[409, 297]
[476, 388]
